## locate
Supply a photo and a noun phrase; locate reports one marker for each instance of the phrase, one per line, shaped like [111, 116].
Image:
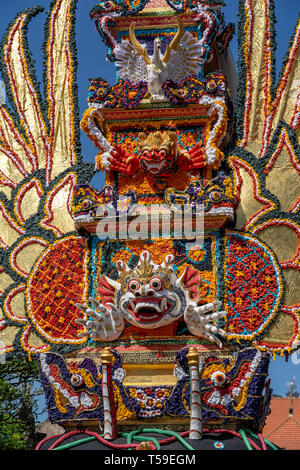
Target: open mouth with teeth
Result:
[154, 167]
[149, 309]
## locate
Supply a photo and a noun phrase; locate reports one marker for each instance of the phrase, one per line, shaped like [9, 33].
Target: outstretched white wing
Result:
[131, 65]
[186, 59]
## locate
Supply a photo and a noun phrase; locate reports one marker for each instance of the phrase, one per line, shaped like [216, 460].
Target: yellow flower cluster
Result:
[122, 411]
[209, 370]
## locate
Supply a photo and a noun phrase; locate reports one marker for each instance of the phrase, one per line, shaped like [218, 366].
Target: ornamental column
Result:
[195, 409]
[110, 421]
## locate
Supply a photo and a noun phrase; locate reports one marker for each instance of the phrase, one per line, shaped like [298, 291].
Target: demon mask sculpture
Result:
[157, 155]
[149, 297]
[158, 152]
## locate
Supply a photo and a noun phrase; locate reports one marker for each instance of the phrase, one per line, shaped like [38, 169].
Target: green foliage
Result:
[18, 404]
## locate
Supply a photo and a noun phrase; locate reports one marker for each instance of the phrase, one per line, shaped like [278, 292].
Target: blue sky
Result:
[92, 63]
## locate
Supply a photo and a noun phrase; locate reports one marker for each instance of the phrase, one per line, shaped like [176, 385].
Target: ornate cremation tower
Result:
[161, 303]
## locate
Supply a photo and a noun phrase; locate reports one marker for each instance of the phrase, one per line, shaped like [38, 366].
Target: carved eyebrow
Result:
[163, 275]
[127, 279]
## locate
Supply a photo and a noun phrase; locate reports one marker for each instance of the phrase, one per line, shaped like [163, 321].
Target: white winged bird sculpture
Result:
[181, 58]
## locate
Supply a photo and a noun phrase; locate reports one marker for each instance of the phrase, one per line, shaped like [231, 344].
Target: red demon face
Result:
[157, 162]
[158, 153]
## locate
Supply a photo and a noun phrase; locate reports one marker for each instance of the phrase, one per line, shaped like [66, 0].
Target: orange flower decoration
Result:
[123, 254]
[196, 255]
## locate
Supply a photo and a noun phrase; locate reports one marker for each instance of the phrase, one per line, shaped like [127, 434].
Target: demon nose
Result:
[156, 157]
[143, 291]
[149, 291]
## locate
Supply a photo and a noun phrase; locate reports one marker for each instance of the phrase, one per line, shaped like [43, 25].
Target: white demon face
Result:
[149, 298]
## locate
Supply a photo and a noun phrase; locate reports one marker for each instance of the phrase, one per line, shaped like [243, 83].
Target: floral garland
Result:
[210, 93]
[224, 38]
[212, 26]
[245, 96]
[254, 287]
[122, 95]
[21, 23]
[273, 96]
[207, 14]
[243, 380]
[24, 243]
[150, 400]
[78, 385]
[35, 178]
[272, 107]
[277, 347]
[118, 8]
[217, 190]
[271, 215]
[268, 204]
[9, 151]
[50, 73]
[283, 140]
[121, 8]
[51, 293]
[47, 222]
[21, 192]
[39, 107]
[20, 288]
[11, 223]
[231, 389]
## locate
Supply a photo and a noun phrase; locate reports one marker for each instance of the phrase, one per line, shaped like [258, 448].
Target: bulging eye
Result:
[101, 92]
[76, 379]
[218, 377]
[163, 153]
[155, 283]
[86, 203]
[215, 196]
[211, 85]
[134, 285]
[146, 153]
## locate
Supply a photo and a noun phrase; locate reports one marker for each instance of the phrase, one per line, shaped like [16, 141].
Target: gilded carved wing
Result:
[265, 162]
[40, 163]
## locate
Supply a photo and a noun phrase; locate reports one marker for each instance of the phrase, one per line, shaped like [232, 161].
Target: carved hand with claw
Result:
[103, 322]
[200, 322]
